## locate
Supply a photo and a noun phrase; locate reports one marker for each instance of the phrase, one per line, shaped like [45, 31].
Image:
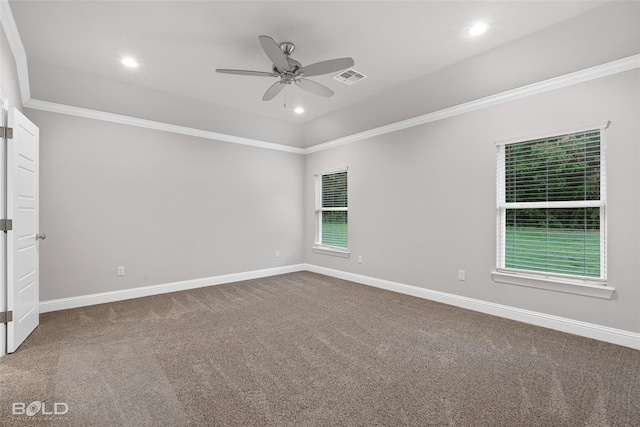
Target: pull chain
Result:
[285, 96]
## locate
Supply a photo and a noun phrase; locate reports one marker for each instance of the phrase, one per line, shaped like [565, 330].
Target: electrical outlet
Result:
[360, 259]
[277, 254]
[462, 275]
[121, 270]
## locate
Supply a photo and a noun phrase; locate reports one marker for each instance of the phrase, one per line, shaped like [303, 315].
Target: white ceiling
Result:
[179, 44]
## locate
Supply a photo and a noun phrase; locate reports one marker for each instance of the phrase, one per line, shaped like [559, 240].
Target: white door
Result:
[4, 111]
[22, 242]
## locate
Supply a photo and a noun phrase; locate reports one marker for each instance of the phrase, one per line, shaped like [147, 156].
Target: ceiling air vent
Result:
[350, 76]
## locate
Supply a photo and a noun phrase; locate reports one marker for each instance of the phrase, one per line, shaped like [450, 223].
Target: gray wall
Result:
[167, 207]
[422, 201]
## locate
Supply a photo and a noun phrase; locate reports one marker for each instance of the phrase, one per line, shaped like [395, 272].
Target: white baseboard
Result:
[124, 294]
[576, 327]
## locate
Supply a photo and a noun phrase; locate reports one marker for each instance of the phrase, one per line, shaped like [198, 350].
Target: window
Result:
[332, 211]
[552, 206]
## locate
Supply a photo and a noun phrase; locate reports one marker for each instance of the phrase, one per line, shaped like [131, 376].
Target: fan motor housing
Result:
[295, 66]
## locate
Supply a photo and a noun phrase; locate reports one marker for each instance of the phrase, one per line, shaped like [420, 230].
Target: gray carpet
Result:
[307, 350]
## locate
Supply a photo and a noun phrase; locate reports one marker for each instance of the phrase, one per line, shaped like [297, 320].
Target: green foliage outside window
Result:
[334, 222]
[563, 240]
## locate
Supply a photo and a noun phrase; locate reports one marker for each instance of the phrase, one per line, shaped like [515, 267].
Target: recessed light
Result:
[299, 110]
[477, 29]
[129, 62]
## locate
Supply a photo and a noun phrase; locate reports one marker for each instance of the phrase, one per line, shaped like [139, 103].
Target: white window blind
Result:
[332, 209]
[552, 204]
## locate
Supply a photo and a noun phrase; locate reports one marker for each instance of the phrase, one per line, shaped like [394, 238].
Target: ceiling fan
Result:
[288, 70]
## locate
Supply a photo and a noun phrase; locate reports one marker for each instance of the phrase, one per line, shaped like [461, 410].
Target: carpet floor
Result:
[304, 349]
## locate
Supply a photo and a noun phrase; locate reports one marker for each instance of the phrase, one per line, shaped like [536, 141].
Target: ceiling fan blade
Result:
[247, 73]
[272, 91]
[273, 51]
[313, 87]
[326, 67]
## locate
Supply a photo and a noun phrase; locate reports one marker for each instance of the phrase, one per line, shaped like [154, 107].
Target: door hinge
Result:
[6, 316]
[6, 224]
[6, 132]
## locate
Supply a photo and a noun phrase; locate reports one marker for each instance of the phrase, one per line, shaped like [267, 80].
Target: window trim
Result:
[596, 287]
[331, 250]
[317, 246]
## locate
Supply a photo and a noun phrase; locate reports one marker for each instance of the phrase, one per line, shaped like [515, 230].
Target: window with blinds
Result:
[551, 205]
[332, 209]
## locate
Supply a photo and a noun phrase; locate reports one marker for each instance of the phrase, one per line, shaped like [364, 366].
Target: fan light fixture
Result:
[478, 28]
[129, 62]
[299, 110]
[289, 71]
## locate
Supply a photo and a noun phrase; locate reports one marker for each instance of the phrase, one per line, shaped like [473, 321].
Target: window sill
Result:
[554, 284]
[327, 250]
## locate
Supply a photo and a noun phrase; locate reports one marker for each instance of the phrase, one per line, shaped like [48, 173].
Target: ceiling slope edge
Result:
[591, 73]
[598, 71]
[17, 49]
[20, 56]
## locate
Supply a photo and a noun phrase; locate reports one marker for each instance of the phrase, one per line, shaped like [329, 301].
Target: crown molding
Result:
[17, 48]
[595, 72]
[150, 124]
[598, 71]
[20, 56]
